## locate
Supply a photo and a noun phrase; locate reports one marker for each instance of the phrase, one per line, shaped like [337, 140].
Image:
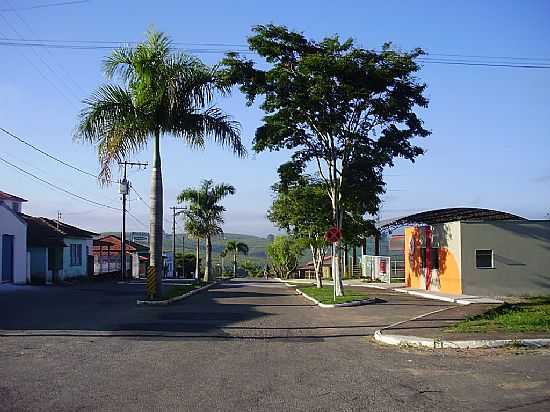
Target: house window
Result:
[484, 259]
[76, 255]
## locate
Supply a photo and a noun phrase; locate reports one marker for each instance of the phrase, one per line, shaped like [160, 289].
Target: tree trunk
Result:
[336, 268]
[155, 219]
[235, 264]
[208, 275]
[346, 257]
[197, 259]
[317, 266]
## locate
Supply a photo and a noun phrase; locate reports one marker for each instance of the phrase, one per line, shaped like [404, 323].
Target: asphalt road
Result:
[242, 346]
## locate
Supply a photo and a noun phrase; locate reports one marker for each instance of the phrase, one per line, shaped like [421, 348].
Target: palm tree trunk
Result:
[198, 259]
[155, 220]
[208, 275]
[235, 264]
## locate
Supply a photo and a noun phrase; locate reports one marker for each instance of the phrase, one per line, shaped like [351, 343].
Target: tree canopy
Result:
[348, 109]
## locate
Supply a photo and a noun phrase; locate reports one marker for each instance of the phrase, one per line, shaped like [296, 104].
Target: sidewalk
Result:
[349, 282]
[430, 330]
[448, 297]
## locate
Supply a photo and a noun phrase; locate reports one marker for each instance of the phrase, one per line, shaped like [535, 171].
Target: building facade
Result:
[13, 242]
[488, 258]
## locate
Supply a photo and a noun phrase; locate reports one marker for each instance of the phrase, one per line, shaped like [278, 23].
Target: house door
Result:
[7, 258]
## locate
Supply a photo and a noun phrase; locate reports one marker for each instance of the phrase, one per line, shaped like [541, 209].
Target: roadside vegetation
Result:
[155, 91]
[346, 111]
[204, 216]
[178, 290]
[326, 294]
[532, 315]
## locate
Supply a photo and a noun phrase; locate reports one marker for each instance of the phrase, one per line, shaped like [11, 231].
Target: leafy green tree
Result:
[204, 208]
[284, 254]
[302, 207]
[161, 92]
[236, 247]
[187, 262]
[252, 268]
[349, 110]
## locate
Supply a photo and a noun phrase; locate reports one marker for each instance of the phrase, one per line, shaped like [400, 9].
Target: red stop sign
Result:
[333, 235]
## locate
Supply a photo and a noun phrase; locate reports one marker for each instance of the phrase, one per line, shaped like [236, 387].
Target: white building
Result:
[13, 240]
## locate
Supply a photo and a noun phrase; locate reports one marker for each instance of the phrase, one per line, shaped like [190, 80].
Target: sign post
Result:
[333, 235]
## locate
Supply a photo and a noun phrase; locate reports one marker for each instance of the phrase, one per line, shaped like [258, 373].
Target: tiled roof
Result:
[41, 234]
[44, 232]
[7, 196]
[69, 230]
[115, 244]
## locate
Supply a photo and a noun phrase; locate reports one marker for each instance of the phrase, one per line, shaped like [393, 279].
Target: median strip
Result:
[178, 292]
[324, 297]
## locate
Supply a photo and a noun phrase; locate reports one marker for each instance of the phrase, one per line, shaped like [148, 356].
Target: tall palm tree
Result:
[236, 247]
[204, 206]
[159, 92]
[195, 229]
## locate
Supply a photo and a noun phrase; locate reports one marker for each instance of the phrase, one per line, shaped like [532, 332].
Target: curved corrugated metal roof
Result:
[452, 214]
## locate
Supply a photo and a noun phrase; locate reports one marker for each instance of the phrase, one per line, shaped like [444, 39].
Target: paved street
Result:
[246, 345]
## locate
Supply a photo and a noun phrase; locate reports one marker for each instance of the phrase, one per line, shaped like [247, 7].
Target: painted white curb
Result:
[417, 341]
[457, 300]
[324, 305]
[176, 298]
[428, 295]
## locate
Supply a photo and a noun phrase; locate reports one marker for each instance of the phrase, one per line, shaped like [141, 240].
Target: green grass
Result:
[325, 294]
[179, 290]
[532, 315]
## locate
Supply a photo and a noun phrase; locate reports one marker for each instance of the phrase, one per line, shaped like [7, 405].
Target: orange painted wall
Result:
[413, 266]
[449, 271]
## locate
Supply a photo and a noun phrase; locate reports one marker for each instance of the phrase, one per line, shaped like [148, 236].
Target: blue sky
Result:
[490, 137]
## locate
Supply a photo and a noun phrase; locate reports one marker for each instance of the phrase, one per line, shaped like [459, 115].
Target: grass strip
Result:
[178, 290]
[532, 315]
[325, 294]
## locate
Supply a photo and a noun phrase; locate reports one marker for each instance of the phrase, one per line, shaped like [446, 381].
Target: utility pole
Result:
[124, 189]
[176, 210]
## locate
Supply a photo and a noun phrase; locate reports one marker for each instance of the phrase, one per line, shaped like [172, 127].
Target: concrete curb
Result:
[176, 298]
[458, 300]
[436, 343]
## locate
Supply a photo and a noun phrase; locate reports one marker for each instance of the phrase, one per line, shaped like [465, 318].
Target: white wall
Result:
[11, 224]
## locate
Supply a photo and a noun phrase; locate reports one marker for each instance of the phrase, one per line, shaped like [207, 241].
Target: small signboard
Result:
[333, 235]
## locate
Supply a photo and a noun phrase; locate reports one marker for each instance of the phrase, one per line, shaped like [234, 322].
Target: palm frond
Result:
[120, 63]
[197, 126]
[112, 122]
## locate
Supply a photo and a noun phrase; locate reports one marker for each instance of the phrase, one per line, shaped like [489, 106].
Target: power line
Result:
[99, 204]
[58, 187]
[136, 219]
[139, 196]
[439, 58]
[47, 154]
[43, 61]
[46, 5]
[66, 74]
[72, 167]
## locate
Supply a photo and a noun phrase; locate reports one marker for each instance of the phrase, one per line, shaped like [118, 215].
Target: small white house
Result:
[57, 251]
[13, 240]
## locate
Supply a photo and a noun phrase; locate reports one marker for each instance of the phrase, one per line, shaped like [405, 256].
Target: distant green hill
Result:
[257, 245]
